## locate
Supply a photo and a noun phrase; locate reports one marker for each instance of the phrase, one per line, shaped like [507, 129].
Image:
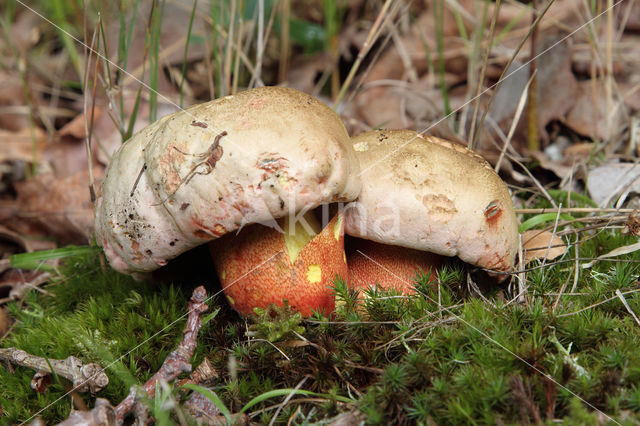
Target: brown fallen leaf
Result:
[554, 98]
[542, 245]
[565, 162]
[589, 115]
[76, 127]
[56, 207]
[19, 146]
[5, 322]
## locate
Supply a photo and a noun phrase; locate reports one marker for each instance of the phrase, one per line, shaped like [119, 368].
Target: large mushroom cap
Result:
[171, 187]
[426, 193]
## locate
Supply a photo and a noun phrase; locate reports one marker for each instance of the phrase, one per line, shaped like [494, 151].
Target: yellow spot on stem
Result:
[314, 274]
[338, 227]
[296, 236]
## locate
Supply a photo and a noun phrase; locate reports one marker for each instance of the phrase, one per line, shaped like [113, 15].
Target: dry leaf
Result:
[18, 146]
[607, 182]
[5, 322]
[563, 159]
[75, 127]
[589, 115]
[557, 89]
[57, 207]
[614, 253]
[542, 245]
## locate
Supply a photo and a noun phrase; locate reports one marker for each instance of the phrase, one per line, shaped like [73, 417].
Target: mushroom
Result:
[263, 265]
[426, 194]
[218, 167]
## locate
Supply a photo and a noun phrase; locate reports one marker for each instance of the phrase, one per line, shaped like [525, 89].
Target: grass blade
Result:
[215, 400]
[186, 51]
[35, 260]
[282, 392]
[542, 218]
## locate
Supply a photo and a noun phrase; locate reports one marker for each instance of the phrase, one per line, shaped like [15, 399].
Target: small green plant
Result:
[275, 322]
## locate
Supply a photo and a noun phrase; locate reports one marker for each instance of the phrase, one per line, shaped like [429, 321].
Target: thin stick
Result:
[85, 377]
[286, 401]
[506, 68]
[522, 276]
[178, 361]
[555, 228]
[135, 184]
[533, 142]
[483, 70]
[577, 268]
[284, 40]
[602, 302]
[87, 130]
[574, 210]
[368, 43]
[516, 119]
[260, 42]
[626, 305]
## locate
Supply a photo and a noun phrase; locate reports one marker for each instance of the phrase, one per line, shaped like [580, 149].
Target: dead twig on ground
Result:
[85, 377]
[177, 362]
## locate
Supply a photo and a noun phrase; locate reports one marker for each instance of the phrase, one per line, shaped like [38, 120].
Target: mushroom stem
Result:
[388, 267]
[264, 265]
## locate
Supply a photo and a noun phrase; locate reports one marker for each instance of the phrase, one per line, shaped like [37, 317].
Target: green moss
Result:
[443, 355]
[98, 316]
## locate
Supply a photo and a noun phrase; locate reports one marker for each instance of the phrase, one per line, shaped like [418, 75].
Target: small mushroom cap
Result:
[170, 188]
[428, 194]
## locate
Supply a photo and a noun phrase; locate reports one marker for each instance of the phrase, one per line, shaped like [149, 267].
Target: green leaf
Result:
[211, 316]
[542, 218]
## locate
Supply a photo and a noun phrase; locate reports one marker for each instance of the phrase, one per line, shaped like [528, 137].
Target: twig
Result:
[573, 210]
[577, 268]
[483, 69]
[135, 184]
[201, 407]
[514, 123]
[286, 401]
[88, 123]
[178, 361]
[87, 377]
[596, 304]
[20, 285]
[555, 228]
[522, 276]
[102, 413]
[368, 43]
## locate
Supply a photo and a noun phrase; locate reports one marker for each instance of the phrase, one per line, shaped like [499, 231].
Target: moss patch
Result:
[444, 355]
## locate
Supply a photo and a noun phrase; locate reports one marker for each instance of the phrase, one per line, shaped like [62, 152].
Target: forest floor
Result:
[548, 92]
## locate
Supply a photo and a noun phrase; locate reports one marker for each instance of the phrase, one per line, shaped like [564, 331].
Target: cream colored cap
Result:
[283, 152]
[429, 194]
